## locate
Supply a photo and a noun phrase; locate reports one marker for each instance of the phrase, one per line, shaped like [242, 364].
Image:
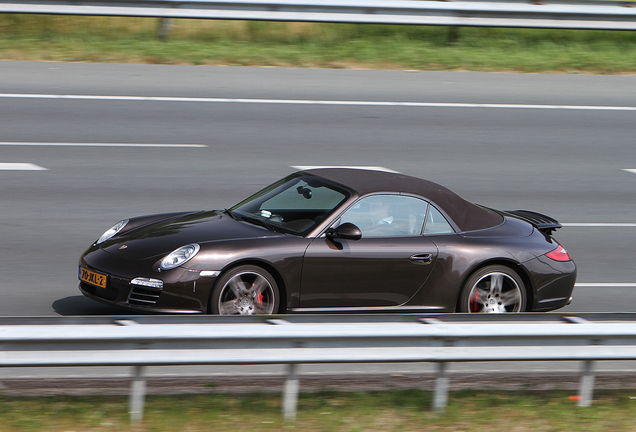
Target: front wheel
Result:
[493, 289]
[245, 290]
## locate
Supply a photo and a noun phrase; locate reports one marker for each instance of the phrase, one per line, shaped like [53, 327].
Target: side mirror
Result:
[346, 231]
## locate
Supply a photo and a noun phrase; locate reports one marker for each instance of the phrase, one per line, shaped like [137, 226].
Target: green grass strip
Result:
[210, 42]
[397, 410]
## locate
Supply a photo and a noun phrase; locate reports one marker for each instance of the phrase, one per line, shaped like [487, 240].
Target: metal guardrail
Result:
[537, 14]
[296, 339]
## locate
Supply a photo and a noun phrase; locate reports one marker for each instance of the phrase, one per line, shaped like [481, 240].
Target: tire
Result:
[245, 290]
[493, 289]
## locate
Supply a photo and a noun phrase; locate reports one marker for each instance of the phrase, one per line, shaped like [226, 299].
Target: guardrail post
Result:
[440, 397]
[453, 35]
[586, 387]
[290, 396]
[137, 395]
[165, 25]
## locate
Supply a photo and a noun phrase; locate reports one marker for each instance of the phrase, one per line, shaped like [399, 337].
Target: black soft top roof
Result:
[466, 215]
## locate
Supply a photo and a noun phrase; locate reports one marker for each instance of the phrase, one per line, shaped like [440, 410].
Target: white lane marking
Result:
[50, 144]
[599, 224]
[317, 102]
[630, 170]
[605, 285]
[369, 168]
[21, 167]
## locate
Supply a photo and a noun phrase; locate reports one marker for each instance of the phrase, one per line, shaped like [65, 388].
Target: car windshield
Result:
[295, 204]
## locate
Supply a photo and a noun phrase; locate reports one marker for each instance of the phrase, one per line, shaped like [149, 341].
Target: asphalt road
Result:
[557, 144]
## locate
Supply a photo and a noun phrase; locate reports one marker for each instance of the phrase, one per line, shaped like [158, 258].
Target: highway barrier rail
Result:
[563, 14]
[292, 340]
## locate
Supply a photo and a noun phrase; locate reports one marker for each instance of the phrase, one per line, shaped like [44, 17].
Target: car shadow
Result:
[80, 305]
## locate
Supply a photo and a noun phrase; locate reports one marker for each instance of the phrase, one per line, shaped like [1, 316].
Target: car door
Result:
[384, 268]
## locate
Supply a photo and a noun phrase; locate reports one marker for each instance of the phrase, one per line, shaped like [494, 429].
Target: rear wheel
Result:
[493, 289]
[245, 290]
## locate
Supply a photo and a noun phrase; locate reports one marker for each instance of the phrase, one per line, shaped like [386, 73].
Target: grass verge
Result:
[397, 410]
[198, 42]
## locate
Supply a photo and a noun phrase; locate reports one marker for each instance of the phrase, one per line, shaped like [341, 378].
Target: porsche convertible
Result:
[332, 240]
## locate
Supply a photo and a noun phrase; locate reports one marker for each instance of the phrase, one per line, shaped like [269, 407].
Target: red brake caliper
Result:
[259, 297]
[473, 302]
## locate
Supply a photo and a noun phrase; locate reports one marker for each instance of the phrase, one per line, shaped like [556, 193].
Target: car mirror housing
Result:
[346, 231]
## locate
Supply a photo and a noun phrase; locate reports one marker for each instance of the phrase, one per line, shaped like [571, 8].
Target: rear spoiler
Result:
[543, 223]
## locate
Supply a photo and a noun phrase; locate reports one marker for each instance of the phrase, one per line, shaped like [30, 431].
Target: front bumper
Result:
[183, 291]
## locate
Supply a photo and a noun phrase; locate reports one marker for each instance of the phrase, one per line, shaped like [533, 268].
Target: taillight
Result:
[559, 254]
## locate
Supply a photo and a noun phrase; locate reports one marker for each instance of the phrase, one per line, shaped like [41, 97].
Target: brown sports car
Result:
[333, 240]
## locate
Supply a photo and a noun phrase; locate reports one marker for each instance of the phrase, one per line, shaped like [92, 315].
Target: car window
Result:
[302, 196]
[295, 205]
[387, 215]
[436, 223]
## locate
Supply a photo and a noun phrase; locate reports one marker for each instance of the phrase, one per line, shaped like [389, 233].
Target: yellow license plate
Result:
[93, 278]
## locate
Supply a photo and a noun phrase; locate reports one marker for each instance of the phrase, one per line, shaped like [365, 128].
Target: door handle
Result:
[423, 258]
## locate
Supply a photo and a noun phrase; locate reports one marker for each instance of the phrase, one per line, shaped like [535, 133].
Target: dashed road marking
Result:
[604, 285]
[599, 224]
[53, 144]
[21, 167]
[370, 168]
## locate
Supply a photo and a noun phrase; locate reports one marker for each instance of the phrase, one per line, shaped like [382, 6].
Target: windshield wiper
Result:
[257, 221]
[230, 214]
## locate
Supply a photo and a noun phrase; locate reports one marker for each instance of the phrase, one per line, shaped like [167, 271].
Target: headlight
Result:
[111, 232]
[179, 256]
